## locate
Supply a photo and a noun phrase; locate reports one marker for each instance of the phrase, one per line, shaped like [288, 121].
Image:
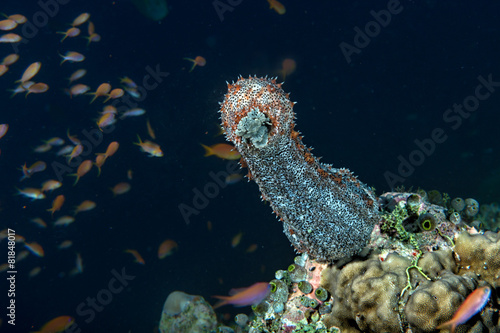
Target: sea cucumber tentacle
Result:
[326, 212]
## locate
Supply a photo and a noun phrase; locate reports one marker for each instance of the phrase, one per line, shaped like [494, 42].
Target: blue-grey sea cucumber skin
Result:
[326, 212]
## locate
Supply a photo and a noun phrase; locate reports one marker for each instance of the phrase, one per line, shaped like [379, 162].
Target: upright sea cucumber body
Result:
[326, 212]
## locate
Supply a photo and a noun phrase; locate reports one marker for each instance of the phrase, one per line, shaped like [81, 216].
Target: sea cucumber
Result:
[326, 212]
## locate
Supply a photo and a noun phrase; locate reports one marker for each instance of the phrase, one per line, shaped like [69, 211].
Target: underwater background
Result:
[362, 110]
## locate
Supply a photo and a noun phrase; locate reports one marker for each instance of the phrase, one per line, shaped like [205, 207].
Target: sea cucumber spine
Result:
[326, 212]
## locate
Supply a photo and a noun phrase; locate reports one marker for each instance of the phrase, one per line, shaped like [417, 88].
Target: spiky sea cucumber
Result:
[326, 212]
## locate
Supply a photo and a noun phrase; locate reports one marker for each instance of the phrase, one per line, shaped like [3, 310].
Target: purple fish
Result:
[245, 296]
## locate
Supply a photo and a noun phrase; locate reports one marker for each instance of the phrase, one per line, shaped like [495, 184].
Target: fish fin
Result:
[235, 291]
[450, 324]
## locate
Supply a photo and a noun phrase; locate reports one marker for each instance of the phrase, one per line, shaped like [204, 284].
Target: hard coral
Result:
[480, 253]
[434, 302]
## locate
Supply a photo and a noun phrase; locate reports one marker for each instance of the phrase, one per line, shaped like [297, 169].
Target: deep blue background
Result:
[360, 115]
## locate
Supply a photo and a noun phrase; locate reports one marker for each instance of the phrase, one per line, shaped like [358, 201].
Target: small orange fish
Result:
[106, 119]
[233, 178]
[30, 72]
[198, 61]
[222, 150]
[78, 74]
[252, 248]
[22, 255]
[3, 129]
[133, 113]
[82, 170]
[55, 141]
[8, 24]
[38, 166]
[72, 56]
[109, 109]
[56, 325]
[42, 148]
[78, 89]
[167, 248]
[81, 19]
[102, 90]
[111, 150]
[93, 38]
[37, 88]
[236, 239]
[64, 221]
[71, 32]
[65, 244]
[151, 132]
[10, 38]
[149, 147]
[32, 193]
[50, 185]
[10, 59]
[85, 206]
[128, 82]
[35, 271]
[120, 188]
[35, 248]
[79, 263]
[287, 67]
[74, 140]
[114, 94]
[57, 204]
[91, 28]
[473, 304]
[277, 6]
[75, 152]
[39, 222]
[3, 69]
[18, 18]
[99, 162]
[138, 258]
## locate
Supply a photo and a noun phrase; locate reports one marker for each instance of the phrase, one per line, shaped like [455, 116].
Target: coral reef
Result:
[415, 272]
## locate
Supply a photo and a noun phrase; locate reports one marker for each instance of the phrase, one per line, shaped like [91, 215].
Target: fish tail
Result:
[140, 141]
[450, 324]
[192, 67]
[208, 150]
[223, 301]
[99, 170]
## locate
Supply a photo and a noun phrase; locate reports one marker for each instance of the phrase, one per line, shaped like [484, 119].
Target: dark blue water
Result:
[364, 112]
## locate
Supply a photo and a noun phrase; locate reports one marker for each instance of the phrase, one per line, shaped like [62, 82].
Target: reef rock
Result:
[183, 313]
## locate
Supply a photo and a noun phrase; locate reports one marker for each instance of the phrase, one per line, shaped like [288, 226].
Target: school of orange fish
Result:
[67, 146]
